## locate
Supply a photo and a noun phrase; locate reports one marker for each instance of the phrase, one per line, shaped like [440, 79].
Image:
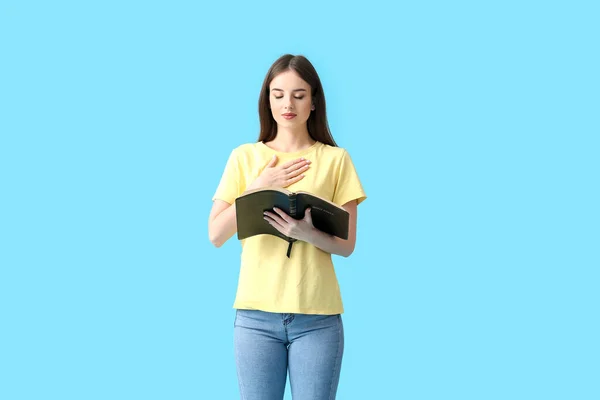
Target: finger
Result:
[276, 217]
[282, 214]
[275, 224]
[272, 161]
[288, 182]
[298, 166]
[308, 216]
[296, 171]
[292, 162]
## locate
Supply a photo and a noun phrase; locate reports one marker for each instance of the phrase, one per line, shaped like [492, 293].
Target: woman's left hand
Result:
[300, 229]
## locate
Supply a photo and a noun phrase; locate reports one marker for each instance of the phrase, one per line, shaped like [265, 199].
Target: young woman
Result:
[288, 310]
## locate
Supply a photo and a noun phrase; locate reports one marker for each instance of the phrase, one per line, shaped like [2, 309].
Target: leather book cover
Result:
[249, 209]
[327, 216]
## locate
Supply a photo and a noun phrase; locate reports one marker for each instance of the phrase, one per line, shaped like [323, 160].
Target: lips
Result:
[288, 115]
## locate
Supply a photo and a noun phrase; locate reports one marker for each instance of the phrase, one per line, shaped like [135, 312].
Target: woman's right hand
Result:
[282, 175]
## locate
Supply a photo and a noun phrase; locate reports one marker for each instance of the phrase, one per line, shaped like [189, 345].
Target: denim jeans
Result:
[268, 344]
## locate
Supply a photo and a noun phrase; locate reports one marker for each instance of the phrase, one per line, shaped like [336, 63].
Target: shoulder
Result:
[245, 148]
[333, 151]
[244, 151]
[338, 160]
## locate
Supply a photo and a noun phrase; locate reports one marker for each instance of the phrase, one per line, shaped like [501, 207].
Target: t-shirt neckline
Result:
[290, 154]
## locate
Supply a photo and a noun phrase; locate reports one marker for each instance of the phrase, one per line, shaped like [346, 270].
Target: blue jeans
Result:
[268, 344]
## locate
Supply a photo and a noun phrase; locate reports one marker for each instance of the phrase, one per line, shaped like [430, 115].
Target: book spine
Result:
[293, 215]
[293, 205]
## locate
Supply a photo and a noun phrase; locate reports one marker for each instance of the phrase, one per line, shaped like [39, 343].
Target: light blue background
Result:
[474, 128]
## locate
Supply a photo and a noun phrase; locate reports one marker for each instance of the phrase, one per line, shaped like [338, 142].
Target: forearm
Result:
[223, 226]
[329, 243]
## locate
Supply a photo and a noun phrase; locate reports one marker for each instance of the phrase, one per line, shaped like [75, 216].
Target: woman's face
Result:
[290, 99]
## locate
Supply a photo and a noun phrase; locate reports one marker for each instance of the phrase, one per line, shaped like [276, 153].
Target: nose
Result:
[289, 105]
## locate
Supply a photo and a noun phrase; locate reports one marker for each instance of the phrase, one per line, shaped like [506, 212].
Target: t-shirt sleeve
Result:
[229, 186]
[348, 185]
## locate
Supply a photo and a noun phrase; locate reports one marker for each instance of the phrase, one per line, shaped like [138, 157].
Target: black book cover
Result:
[326, 215]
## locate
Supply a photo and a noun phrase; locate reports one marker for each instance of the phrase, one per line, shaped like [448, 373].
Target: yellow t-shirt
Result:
[306, 282]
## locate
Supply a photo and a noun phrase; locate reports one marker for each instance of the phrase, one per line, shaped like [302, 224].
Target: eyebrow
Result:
[295, 90]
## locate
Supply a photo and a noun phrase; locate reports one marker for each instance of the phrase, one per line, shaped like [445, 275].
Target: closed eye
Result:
[281, 97]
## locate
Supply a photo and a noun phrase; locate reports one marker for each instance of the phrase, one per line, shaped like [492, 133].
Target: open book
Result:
[326, 215]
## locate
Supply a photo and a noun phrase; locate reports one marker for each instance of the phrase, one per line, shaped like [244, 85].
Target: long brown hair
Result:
[317, 125]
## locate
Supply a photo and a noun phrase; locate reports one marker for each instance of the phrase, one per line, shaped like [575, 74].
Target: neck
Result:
[291, 140]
